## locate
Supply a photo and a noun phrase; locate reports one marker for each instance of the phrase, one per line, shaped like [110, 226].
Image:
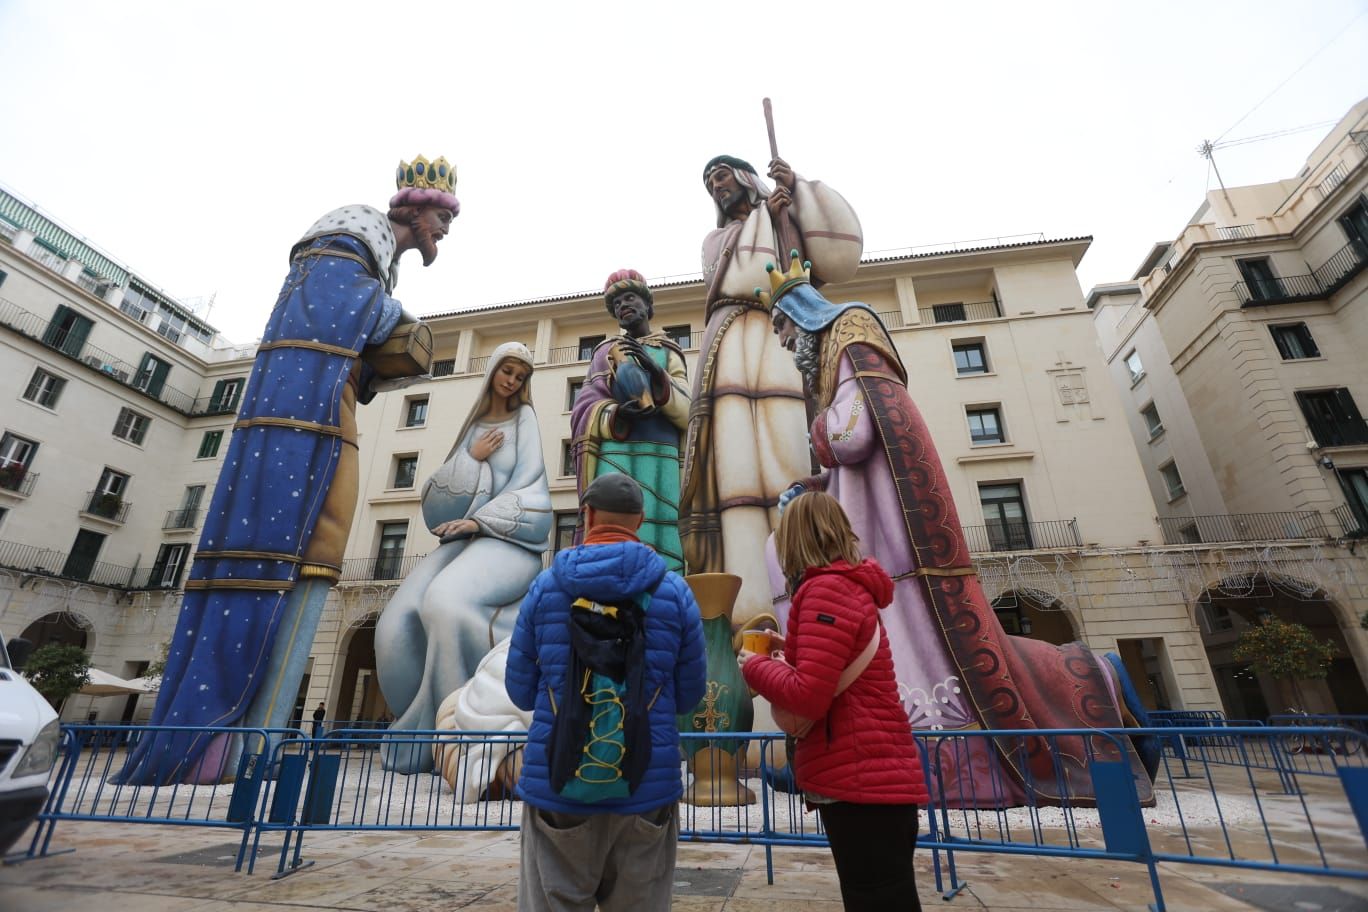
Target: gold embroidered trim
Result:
[274, 585]
[328, 429]
[854, 326]
[937, 571]
[320, 571]
[311, 346]
[248, 555]
[328, 251]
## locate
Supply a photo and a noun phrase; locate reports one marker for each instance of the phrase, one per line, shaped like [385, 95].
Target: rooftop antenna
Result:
[1208, 151]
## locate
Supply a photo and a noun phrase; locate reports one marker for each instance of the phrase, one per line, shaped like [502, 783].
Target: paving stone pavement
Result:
[118, 867]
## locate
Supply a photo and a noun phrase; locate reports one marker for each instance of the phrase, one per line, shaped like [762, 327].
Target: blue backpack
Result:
[601, 738]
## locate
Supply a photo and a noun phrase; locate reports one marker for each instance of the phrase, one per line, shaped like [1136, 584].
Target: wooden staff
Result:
[769, 125]
[787, 236]
[785, 228]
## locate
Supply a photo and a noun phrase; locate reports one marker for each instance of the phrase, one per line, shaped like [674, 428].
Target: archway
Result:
[1230, 605]
[61, 627]
[1024, 614]
[358, 696]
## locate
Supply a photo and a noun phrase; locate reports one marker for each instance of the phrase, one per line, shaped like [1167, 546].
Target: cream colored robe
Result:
[747, 438]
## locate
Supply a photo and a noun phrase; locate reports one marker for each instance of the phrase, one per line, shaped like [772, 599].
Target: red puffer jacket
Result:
[861, 749]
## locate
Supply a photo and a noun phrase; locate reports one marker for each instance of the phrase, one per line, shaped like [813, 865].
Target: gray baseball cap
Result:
[614, 492]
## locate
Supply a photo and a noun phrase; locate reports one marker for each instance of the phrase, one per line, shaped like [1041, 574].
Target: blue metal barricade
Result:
[83, 785]
[1208, 809]
[1237, 797]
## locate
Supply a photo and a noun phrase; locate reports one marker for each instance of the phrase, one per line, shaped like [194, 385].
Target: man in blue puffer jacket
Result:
[617, 852]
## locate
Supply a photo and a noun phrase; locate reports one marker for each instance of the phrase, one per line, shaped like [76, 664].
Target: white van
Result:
[29, 735]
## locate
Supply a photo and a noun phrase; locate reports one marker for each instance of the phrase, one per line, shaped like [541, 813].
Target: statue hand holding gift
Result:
[629, 415]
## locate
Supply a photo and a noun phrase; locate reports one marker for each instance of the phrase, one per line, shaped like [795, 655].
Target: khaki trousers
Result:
[618, 861]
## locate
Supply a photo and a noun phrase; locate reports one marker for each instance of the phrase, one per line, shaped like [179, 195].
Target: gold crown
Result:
[422, 174]
[781, 283]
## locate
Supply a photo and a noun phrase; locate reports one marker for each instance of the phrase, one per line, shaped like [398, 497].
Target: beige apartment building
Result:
[998, 340]
[1238, 350]
[111, 435]
[1004, 364]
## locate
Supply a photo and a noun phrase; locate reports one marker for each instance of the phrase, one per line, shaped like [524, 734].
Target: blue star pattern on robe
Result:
[267, 501]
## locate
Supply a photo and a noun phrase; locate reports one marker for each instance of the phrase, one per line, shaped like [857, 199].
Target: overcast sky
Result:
[195, 142]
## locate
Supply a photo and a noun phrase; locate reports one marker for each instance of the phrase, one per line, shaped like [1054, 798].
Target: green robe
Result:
[647, 449]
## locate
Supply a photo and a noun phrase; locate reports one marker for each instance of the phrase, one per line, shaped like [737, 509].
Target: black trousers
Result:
[872, 846]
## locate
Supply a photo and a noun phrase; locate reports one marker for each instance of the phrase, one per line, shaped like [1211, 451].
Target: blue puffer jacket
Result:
[676, 664]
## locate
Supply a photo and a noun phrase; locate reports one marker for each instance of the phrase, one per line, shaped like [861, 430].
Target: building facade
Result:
[1003, 361]
[1237, 349]
[111, 438]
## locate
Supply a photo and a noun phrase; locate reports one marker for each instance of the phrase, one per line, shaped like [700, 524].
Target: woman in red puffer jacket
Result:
[858, 765]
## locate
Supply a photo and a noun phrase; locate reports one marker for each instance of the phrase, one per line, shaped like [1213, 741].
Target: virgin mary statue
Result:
[491, 508]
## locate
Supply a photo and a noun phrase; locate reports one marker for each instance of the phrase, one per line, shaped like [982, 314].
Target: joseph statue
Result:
[632, 410]
[747, 434]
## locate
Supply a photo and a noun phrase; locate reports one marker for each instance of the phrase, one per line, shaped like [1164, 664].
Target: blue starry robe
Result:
[270, 491]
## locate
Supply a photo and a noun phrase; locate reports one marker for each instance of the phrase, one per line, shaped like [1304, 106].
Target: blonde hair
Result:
[522, 397]
[814, 532]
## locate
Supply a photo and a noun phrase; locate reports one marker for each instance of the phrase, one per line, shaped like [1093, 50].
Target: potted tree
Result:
[1289, 653]
[12, 475]
[107, 504]
[57, 671]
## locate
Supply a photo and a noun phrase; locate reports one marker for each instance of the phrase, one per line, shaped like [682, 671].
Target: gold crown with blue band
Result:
[422, 174]
[781, 283]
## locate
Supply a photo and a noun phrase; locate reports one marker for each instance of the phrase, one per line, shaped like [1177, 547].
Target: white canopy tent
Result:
[149, 684]
[104, 684]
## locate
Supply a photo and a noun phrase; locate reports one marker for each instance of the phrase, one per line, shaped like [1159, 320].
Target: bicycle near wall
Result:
[1297, 742]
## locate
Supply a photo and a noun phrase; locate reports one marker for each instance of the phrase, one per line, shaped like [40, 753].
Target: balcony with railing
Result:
[131, 309]
[214, 405]
[1023, 536]
[41, 329]
[1243, 527]
[54, 261]
[960, 312]
[1234, 232]
[1333, 179]
[1279, 290]
[93, 284]
[17, 479]
[181, 519]
[383, 568]
[1337, 432]
[1351, 526]
[70, 566]
[106, 506]
[1347, 262]
[568, 354]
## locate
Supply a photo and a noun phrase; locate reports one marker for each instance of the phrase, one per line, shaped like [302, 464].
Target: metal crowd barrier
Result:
[1241, 802]
[1266, 813]
[82, 785]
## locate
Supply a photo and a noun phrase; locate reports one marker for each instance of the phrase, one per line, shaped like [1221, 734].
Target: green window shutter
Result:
[55, 334]
[216, 398]
[209, 444]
